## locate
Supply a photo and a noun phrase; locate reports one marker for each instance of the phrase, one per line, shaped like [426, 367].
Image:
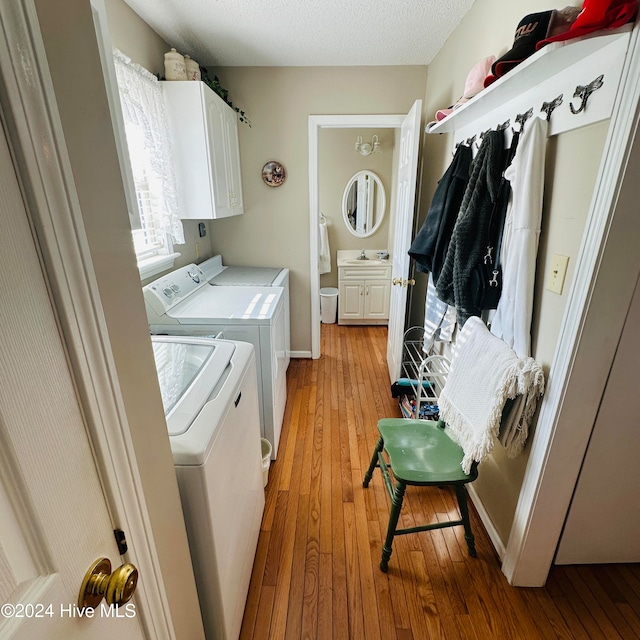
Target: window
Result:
[156, 226]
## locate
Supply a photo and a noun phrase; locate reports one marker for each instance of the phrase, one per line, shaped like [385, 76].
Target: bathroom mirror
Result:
[364, 204]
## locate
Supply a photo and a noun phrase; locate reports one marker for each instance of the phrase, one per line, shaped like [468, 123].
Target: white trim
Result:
[370, 121]
[157, 264]
[301, 354]
[36, 137]
[567, 413]
[494, 536]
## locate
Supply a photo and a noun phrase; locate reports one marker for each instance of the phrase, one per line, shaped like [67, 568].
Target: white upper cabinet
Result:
[204, 136]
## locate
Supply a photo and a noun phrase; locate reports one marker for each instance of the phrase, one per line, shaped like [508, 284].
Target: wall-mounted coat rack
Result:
[558, 69]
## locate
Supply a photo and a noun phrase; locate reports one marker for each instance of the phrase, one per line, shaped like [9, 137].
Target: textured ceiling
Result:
[304, 32]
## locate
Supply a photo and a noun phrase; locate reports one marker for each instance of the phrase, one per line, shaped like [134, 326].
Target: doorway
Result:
[408, 150]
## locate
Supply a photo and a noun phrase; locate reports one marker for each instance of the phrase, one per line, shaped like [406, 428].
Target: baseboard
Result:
[301, 354]
[495, 538]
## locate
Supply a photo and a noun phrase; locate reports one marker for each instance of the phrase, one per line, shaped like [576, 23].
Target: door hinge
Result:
[121, 541]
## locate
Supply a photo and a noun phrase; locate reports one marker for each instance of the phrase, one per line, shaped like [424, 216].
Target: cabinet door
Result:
[234, 178]
[351, 300]
[217, 137]
[376, 299]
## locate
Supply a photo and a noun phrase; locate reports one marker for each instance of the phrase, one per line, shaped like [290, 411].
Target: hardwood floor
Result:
[316, 571]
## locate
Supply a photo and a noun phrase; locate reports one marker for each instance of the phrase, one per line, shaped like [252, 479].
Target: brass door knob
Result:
[116, 588]
[397, 281]
[411, 282]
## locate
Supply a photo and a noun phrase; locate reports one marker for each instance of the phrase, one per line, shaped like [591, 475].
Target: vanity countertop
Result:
[351, 258]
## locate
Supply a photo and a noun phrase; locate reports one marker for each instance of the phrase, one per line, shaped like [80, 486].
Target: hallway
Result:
[316, 570]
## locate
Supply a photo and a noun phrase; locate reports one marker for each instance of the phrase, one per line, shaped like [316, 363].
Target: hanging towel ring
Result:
[548, 107]
[584, 92]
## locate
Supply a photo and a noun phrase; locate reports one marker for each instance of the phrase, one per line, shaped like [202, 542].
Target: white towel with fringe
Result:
[485, 373]
[324, 262]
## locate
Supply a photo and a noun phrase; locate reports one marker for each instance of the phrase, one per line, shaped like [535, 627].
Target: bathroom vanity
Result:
[364, 287]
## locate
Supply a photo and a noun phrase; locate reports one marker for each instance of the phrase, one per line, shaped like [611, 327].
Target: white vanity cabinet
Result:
[206, 154]
[363, 294]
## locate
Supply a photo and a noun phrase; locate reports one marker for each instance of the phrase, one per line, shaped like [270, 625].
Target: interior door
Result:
[405, 205]
[54, 521]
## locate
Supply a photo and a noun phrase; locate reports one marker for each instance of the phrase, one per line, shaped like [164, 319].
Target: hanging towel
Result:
[485, 373]
[324, 262]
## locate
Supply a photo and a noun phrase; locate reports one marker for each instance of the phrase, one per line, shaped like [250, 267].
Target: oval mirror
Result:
[364, 204]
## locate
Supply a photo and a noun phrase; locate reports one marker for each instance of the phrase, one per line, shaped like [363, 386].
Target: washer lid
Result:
[188, 371]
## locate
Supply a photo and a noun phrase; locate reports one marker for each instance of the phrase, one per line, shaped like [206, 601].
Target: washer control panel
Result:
[169, 290]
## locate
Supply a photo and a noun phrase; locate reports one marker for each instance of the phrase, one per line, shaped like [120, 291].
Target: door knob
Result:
[397, 281]
[116, 588]
[411, 282]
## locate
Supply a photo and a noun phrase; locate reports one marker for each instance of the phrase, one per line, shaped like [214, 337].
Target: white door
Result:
[405, 205]
[54, 519]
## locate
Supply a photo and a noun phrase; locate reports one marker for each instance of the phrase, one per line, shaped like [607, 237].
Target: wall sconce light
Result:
[367, 148]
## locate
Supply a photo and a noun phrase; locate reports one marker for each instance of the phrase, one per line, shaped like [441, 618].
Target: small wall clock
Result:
[273, 174]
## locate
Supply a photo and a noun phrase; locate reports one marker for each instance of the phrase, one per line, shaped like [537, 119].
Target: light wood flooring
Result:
[316, 571]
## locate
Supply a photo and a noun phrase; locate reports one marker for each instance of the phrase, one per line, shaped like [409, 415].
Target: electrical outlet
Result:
[197, 250]
[557, 273]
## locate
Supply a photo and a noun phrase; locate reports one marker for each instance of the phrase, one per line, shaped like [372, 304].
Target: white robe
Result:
[512, 319]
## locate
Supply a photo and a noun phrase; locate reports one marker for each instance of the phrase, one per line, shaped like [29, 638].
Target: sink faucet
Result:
[363, 256]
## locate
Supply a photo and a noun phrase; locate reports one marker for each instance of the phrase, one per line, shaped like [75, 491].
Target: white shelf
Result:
[556, 69]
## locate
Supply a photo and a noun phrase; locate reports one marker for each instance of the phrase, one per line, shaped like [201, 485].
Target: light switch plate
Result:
[557, 273]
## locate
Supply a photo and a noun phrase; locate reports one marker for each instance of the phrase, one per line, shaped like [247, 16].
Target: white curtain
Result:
[143, 108]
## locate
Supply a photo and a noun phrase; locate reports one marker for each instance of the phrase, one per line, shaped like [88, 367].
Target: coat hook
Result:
[503, 126]
[548, 107]
[584, 92]
[470, 141]
[521, 118]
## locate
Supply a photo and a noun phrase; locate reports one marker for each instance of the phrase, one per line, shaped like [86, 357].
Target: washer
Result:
[210, 395]
[183, 303]
[220, 275]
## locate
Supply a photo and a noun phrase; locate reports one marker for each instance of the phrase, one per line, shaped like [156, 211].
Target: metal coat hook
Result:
[503, 126]
[548, 107]
[584, 92]
[470, 141]
[521, 118]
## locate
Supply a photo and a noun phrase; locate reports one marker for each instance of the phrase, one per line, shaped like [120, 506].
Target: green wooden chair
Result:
[420, 453]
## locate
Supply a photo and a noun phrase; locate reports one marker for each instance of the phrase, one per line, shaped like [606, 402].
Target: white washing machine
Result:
[183, 303]
[210, 396]
[221, 275]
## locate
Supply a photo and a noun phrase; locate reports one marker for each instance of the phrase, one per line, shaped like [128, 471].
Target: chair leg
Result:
[461, 494]
[396, 506]
[374, 463]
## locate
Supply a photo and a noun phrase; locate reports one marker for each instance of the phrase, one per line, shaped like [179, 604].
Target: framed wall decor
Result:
[273, 173]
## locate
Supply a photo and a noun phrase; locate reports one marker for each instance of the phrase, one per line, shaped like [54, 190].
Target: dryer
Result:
[183, 303]
[210, 397]
[220, 275]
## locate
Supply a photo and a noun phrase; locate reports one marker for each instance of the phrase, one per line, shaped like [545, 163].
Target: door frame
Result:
[34, 131]
[315, 124]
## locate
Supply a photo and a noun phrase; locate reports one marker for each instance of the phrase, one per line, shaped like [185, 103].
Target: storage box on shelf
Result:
[204, 136]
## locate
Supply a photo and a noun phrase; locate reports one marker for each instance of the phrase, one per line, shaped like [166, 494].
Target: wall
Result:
[607, 486]
[71, 49]
[274, 231]
[572, 163]
[136, 39]
[338, 162]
